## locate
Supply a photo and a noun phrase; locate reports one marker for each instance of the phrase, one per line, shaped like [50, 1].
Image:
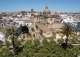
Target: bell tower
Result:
[32, 12]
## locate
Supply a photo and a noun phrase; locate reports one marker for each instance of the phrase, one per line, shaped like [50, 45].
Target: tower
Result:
[32, 10]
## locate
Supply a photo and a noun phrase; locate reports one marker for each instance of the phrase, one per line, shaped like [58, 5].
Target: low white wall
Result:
[2, 36]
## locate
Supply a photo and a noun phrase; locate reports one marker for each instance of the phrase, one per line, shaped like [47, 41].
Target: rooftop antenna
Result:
[32, 7]
[46, 4]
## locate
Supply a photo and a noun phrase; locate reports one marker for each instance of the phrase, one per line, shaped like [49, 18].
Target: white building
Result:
[23, 21]
[66, 18]
[2, 36]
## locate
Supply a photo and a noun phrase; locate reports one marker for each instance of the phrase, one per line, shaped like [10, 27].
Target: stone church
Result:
[44, 21]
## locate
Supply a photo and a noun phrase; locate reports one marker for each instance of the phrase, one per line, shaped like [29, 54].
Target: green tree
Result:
[6, 53]
[47, 49]
[60, 41]
[1, 44]
[17, 42]
[10, 33]
[26, 49]
[8, 44]
[67, 31]
[36, 42]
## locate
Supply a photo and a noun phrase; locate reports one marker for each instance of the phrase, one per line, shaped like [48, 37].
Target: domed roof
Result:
[46, 10]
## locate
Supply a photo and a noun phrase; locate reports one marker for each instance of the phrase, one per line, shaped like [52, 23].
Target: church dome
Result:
[46, 10]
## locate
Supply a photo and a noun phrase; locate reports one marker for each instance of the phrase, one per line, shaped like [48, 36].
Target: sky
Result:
[39, 5]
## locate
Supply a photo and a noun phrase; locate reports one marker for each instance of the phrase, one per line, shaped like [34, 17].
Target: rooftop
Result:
[43, 27]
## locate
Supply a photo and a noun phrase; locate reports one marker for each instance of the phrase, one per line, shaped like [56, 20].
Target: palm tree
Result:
[10, 33]
[67, 31]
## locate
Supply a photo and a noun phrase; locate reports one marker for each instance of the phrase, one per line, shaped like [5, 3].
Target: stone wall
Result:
[56, 26]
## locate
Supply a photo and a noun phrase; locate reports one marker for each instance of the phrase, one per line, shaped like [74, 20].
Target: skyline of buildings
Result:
[51, 26]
